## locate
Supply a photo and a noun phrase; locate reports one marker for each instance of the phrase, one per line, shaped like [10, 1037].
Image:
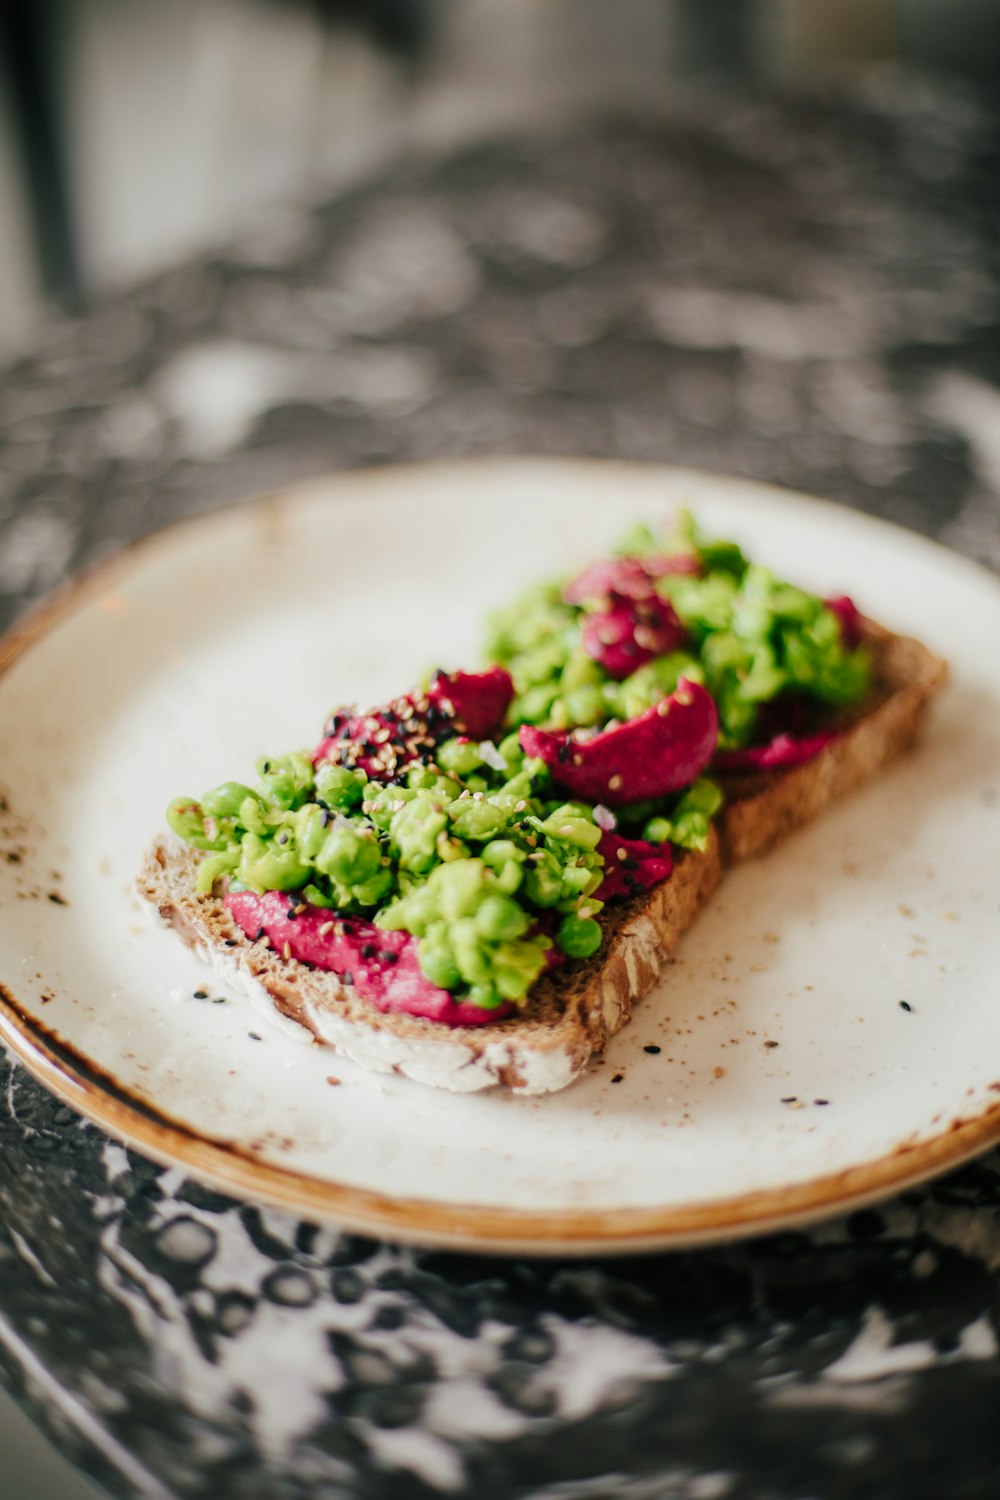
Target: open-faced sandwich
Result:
[475, 883]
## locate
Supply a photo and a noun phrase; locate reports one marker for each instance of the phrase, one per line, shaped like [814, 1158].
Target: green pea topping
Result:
[473, 845]
[579, 937]
[752, 637]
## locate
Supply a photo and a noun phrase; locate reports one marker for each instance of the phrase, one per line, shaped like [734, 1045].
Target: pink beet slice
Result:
[662, 750]
[382, 967]
[783, 751]
[629, 577]
[849, 615]
[631, 632]
[381, 743]
[476, 701]
[631, 865]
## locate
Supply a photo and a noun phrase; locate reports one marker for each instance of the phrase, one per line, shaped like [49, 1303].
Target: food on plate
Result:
[475, 883]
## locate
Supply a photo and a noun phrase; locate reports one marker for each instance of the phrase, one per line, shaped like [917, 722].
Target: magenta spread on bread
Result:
[381, 966]
[383, 742]
[631, 865]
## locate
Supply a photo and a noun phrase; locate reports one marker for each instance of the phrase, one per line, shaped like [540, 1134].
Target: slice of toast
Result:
[571, 1012]
[569, 1017]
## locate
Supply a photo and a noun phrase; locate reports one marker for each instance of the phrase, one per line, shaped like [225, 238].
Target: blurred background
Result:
[136, 132]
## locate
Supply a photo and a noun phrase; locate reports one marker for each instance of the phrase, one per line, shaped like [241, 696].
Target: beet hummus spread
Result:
[382, 966]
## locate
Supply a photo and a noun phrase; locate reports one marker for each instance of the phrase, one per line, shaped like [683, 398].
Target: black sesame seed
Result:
[258, 934]
[905, 1005]
[388, 956]
[368, 950]
[652, 1048]
[255, 1036]
[282, 838]
[201, 994]
[229, 942]
[630, 863]
[618, 1078]
[821, 1101]
[348, 978]
[562, 754]
[790, 1099]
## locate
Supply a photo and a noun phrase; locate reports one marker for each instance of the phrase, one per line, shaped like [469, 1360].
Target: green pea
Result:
[374, 890]
[579, 937]
[414, 829]
[348, 854]
[267, 866]
[516, 966]
[499, 852]
[506, 860]
[533, 706]
[310, 826]
[252, 815]
[581, 671]
[567, 826]
[449, 849]
[316, 897]
[584, 706]
[510, 749]
[471, 953]
[509, 877]
[225, 801]
[500, 919]
[476, 820]
[462, 756]
[543, 881]
[576, 879]
[458, 887]
[436, 960]
[485, 996]
[286, 780]
[187, 820]
[213, 867]
[339, 787]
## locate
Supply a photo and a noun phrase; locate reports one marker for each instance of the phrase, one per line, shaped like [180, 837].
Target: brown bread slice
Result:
[574, 1011]
[570, 1016]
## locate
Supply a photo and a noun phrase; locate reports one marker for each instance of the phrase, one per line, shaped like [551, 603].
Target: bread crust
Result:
[572, 1012]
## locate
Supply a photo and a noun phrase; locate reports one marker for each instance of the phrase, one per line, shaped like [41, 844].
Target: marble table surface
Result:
[803, 293]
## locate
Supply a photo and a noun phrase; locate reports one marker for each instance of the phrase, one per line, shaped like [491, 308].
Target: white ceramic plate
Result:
[233, 636]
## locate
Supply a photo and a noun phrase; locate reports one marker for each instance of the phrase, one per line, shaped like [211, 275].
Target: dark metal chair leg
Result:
[29, 45]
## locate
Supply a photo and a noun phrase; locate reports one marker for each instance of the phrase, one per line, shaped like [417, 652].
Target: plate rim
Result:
[78, 1081]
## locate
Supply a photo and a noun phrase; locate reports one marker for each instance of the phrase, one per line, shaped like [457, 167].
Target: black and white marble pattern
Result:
[802, 293]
